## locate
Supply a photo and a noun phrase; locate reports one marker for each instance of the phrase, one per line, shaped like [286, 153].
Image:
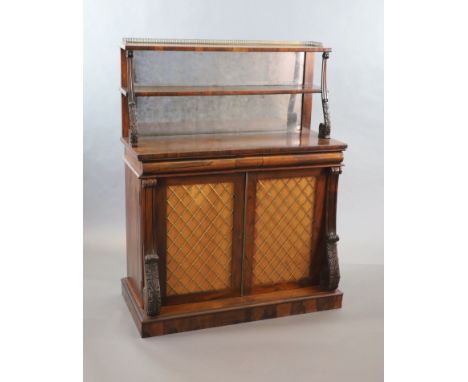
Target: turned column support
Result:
[325, 126]
[330, 275]
[152, 289]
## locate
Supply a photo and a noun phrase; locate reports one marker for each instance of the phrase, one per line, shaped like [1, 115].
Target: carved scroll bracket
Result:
[325, 126]
[152, 289]
[132, 114]
[336, 170]
[149, 183]
[330, 278]
[330, 275]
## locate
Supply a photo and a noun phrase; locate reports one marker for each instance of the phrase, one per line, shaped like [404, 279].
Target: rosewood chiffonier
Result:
[231, 195]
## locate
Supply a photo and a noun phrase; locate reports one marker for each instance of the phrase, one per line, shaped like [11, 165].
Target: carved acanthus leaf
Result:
[152, 289]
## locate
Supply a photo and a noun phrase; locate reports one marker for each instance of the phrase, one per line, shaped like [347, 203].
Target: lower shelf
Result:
[234, 310]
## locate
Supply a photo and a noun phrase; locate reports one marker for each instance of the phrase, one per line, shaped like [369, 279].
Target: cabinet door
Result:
[198, 236]
[284, 219]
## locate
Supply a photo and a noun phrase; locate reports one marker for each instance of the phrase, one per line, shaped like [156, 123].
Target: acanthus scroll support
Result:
[131, 101]
[152, 289]
[325, 126]
[330, 275]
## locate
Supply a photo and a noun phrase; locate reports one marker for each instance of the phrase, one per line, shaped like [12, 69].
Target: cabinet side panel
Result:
[132, 204]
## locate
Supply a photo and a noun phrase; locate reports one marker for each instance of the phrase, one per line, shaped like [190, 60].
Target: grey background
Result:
[329, 345]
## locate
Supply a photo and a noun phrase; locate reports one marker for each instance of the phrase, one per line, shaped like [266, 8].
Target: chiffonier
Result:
[231, 195]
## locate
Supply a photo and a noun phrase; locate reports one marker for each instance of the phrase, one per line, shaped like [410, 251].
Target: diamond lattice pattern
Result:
[199, 237]
[283, 229]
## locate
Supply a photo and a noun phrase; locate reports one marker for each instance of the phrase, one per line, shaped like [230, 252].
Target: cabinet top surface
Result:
[230, 145]
[223, 45]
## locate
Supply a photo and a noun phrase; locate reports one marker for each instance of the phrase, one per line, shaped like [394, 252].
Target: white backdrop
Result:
[354, 29]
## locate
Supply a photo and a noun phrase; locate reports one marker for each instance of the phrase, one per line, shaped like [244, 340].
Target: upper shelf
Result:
[223, 45]
[152, 91]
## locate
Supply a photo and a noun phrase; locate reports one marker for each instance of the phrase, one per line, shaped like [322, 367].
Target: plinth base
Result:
[234, 310]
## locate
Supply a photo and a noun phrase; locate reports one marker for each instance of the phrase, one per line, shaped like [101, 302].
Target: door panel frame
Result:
[154, 203]
[158, 233]
[317, 229]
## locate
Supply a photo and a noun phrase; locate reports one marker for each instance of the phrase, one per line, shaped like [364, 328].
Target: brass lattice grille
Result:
[199, 237]
[283, 229]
